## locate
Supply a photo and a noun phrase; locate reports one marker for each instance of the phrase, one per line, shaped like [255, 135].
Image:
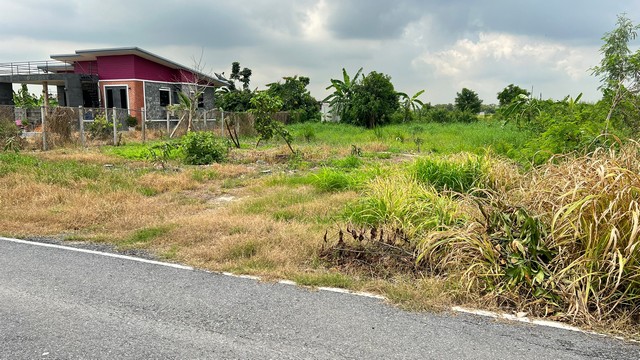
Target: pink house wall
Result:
[149, 70]
[134, 67]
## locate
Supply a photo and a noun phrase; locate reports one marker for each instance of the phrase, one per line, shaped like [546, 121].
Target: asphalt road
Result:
[62, 304]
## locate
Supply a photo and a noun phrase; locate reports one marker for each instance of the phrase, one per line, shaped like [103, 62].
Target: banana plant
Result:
[410, 103]
[340, 99]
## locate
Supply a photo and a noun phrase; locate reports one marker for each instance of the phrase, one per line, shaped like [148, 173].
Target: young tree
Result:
[468, 101]
[510, 93]
[264, 106]
[619, 68]
[296, 98]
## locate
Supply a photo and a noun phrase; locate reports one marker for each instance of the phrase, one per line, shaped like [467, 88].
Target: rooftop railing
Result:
[39, 67]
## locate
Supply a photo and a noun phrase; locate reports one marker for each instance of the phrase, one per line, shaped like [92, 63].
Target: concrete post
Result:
[221, 122]
[43, 114]
[115, 127]
[81, 124]
[143, 125]
[168, 124]
[45, 96]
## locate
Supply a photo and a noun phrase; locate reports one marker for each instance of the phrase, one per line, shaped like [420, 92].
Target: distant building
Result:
[127, 78]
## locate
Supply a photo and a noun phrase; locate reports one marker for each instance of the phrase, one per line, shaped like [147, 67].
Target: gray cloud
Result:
[438, 45]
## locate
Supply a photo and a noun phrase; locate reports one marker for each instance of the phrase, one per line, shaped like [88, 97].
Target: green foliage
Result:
[340, 99]
[374, 101]
[132, 121]
[444, 114]
[410, 104]
[296, 98]
[10, 135]
[460, 174]
[308, 132]
[402, 203]
[619, 73]
[510, 93]
[236, 101]
[468, 101]
[264, 107]
[160, 154]
[328, 179]
[202, 148]
[100, 128]
[348, 162]
[24, 99]
[244, 76]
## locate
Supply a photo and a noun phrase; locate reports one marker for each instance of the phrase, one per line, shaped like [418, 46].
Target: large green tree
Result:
[296, 99]
[468, 101]
[373, 101]
[510, 93]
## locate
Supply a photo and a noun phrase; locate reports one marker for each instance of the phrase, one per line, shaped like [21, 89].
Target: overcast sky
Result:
[437, 45]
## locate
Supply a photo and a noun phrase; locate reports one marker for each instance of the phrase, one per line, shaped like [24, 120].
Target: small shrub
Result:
[132, 121]
[202, 148]
[10, 135]
[100, 128]
[464, 117]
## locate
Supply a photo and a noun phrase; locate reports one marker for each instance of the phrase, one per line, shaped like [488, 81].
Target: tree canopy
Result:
[510, 93]
[468, 101]
[296, 98]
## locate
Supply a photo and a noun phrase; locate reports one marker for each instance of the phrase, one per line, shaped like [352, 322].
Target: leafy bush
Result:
[9, 135]
[439, 115]
[100, 128]
[202, 148]
[464, 117]
[460, 174]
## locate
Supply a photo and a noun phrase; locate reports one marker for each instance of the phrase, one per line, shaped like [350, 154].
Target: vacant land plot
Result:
[428, 215]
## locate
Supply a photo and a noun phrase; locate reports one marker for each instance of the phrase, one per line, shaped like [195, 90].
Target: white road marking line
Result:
[94, 252]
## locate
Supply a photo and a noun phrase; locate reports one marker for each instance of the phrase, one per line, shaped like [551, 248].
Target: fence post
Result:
[115, 127]
[81, 124]
[222, 122]
[144, 125]
[237, 124]
[168, 125]
[43, 115]
[205, 120]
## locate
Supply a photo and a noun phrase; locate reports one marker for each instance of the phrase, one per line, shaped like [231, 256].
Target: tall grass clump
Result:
[566, 243]
[329, 179]
[593, 207]
[400, 202]
[460, 173]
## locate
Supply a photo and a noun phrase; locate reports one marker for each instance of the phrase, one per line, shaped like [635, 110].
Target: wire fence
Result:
[63, 126]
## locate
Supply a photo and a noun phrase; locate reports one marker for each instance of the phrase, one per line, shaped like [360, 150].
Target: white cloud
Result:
[500, 58]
